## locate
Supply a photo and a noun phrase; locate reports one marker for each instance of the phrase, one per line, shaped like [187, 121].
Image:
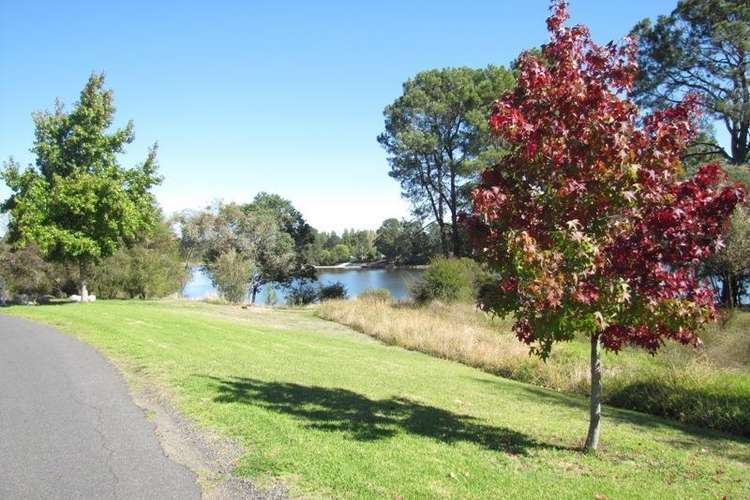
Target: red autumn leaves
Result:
[586, 220]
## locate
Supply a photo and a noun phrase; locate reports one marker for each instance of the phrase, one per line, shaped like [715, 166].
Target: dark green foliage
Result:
[77, 204]
[289, 218]
[406, 242]
[437, 139]
[448, 280]
[24, 271]
[703, 46]
[330, 249]
[721, 404]
[333, 291]
[302, 293]
[152, 268]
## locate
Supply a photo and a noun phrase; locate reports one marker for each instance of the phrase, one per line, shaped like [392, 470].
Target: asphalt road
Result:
[69, 429]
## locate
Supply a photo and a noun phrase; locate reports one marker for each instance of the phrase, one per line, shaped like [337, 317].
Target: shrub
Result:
[25, 272]
[700, 396]
[333, 291]
[302, 293]
[375, 295]
[448, 280]
[230, 273]
[151, 268]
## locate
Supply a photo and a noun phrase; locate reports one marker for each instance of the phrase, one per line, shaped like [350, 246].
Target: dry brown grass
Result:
[455, 332]
[461, 333]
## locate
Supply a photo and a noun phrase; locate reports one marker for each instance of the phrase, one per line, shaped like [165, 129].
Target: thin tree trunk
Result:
[730, 291]
[455, 239]
[592, 439]
[253, 294]
[444, 241]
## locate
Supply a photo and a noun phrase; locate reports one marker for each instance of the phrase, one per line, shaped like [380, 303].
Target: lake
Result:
[396, 281]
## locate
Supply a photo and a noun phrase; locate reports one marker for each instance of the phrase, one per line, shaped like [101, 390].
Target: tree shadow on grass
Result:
[696, 438]
[364, 419]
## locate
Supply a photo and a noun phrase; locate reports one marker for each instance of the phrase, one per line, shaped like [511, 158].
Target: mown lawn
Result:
[708, 387]
[334, 413]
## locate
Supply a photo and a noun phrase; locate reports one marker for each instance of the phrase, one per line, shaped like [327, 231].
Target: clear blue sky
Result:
[277, 96]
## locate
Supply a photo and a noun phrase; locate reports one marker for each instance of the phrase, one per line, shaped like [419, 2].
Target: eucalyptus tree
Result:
[257, 243]
[437, 138]
[703, 46]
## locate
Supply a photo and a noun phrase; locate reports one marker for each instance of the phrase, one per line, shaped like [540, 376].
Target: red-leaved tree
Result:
[586, 221]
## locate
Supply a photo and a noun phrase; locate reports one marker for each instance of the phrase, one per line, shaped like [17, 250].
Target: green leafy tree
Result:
[289, 218]
[731, 265]
[361, 244]
[703, 46]
[388, 238]
[437, 138]
[229, 272]
[404, 242]
[151, 268]
[258, 239]
[77, 204]
[193, 228]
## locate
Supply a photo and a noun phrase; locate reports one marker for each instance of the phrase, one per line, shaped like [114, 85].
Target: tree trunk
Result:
[730, 292]
[444, 241]
[253, 293]
[83, 277]
[592, 439]
[455, 239]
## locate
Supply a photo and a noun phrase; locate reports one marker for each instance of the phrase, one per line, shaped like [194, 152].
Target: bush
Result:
[302, 294]
[704, 398]
[375, 295]
[333, 291]
[448, 280]
[230, 273]
[25, 272]
[151, 268]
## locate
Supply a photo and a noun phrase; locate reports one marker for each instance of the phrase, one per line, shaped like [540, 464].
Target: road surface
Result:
[68, 427]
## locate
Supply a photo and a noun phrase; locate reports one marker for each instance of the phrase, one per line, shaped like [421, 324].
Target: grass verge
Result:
[334, 413]
[709, 387]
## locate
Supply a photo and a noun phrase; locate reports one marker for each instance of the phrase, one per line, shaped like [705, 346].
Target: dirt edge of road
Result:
[211, 457]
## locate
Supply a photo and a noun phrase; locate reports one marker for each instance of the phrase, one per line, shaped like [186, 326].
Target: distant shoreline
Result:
[359, 266]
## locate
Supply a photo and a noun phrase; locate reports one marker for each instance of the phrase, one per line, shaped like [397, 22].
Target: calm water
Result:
[397, 281]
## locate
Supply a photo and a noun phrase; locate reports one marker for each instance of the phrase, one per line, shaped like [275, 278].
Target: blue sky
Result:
[244, 96]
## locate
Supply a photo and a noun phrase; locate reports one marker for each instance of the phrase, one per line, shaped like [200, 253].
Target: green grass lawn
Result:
[331, 412]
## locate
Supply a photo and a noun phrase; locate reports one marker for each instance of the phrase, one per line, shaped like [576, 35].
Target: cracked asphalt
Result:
[68, 427]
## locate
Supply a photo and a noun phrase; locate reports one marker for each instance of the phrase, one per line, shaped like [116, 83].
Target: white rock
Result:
[75, 298]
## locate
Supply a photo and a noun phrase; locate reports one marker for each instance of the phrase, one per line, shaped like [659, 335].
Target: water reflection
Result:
[397, 281]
